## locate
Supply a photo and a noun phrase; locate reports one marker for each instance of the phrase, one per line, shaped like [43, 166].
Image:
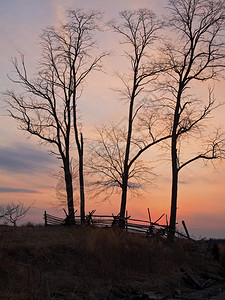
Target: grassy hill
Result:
[85, 263]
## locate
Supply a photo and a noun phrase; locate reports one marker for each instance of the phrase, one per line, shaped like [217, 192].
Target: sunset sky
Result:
[26, 168]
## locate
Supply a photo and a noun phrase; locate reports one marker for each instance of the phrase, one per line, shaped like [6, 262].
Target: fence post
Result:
[207, 249]
[149, 217]
[185, 228]
[45, 218]
[126, 222]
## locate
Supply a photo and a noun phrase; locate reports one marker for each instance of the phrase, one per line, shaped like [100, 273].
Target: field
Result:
[59, 262]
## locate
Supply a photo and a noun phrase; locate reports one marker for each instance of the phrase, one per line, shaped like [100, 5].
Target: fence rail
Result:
[132, 225]
[52, 220]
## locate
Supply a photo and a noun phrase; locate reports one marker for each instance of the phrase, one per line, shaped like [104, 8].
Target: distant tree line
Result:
[166, 58]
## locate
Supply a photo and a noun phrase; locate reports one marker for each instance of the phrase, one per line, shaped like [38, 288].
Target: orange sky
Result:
[25, 167]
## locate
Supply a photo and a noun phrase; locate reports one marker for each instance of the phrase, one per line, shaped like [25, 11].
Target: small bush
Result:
[28, 224]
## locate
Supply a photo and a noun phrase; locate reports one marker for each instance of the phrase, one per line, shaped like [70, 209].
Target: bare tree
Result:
[2, 211]
[106, 164]
[116, 157]
[80, 44]
[42, 110]
[13, 212]
[60, 188]
[197, 55]
[48, 106]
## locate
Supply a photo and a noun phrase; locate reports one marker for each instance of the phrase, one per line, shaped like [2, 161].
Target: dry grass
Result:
[221, 255]
[62, 263]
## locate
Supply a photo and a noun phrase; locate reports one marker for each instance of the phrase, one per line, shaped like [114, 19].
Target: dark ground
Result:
[44, 263]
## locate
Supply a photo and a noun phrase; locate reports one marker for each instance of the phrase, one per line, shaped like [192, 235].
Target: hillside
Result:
[85, 263]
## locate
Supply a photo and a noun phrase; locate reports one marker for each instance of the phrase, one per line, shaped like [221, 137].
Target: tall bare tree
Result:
[197, 55]
[48, 106]
[77, 46]
[119, 150]
[44, 108]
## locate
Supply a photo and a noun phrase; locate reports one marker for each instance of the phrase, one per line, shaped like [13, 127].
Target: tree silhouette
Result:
[13, 212]
[117, 153]
[197, 55]
[79, 47]
[47, 108]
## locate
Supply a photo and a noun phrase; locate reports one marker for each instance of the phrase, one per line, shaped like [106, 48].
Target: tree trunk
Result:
[174, 159]
[123, 201]
[173, 208]
[124, 196]
[127, 154]
[69, 192]
[81, 179]
[80, 150]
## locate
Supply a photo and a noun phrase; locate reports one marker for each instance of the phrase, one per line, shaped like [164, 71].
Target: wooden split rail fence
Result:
[52, 220]
[132, 225]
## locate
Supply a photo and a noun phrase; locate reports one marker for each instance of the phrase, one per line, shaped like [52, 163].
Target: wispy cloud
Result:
[59, 9]
[24, 159]
[16, 190]
[168, 180]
